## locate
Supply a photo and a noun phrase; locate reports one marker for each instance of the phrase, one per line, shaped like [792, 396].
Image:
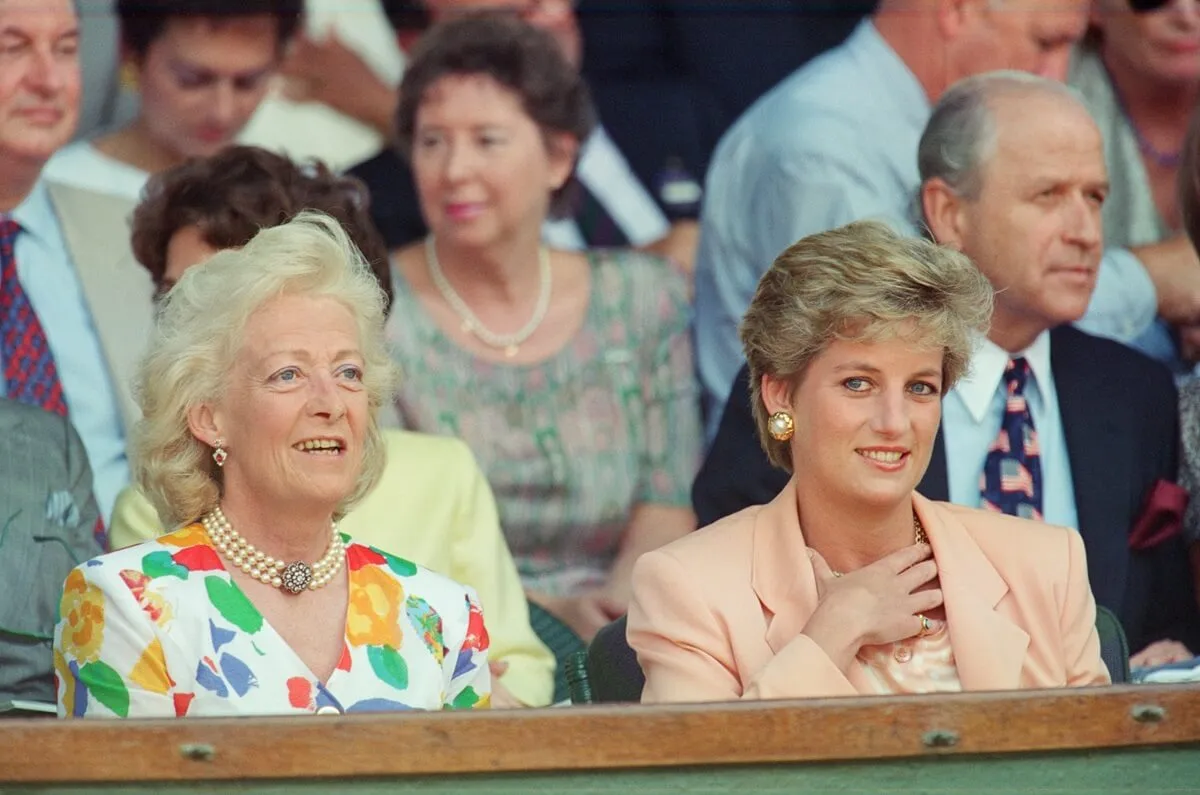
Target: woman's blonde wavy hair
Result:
[198, 336]
[863, 282]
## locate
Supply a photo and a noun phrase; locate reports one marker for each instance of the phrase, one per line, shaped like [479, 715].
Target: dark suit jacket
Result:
[1120, 422]
[47, 514]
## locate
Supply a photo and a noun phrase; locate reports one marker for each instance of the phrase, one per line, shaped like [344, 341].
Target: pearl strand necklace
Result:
[471, 323]
[293, 577]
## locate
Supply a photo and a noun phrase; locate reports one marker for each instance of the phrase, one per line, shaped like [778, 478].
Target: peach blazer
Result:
[717, 615]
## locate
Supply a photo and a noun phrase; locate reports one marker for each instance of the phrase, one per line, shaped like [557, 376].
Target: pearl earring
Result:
[781, 426]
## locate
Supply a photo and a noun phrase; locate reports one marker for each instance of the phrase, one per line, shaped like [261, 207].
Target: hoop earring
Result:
[219, 454]
[781, 426]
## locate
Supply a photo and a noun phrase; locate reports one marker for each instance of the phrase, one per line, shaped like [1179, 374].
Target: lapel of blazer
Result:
[119, 292]
[1099, 476]
[783, 577]
[935, 485]
[989, 650]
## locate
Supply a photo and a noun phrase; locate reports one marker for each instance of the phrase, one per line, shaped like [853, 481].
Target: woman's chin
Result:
[882, 495]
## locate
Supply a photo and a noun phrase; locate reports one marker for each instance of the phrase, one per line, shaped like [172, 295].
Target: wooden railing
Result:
[600, 738]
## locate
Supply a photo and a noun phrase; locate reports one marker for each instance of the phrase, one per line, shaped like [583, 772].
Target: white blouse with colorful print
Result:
[161, 630]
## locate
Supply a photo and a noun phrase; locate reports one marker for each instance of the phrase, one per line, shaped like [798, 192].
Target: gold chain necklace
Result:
[919, 537]
[293, 578]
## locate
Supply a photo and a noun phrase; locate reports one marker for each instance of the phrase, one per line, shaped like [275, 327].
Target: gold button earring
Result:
[781, 426]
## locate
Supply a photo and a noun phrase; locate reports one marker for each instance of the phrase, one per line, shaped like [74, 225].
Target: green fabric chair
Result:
[562, 642]
[608, 671]
[1114, 648]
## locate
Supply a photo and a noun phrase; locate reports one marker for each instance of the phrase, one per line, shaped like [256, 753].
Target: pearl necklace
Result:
[471, 323]
[291, 578]
[919, 537]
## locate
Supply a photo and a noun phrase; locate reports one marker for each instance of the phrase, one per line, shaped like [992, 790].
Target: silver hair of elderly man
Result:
[961, 133]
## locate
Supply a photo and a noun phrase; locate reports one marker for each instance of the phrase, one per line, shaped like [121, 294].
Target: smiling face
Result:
[1035, 230]
[39, 80]
[1162, 46]
[483, 169]
[295, 413]
[866, 415]
[201, 81]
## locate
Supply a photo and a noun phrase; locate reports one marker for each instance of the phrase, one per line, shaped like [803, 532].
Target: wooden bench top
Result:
[600, 737]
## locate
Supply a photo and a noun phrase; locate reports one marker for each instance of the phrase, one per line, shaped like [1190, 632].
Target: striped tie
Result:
[30, 375]
[1011, 482]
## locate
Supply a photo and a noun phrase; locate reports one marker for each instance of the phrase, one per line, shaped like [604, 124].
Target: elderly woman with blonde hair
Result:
[259, 394]
[849, 582]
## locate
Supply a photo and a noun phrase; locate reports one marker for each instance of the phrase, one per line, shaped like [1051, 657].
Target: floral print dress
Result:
[161, 630]
[573, 444]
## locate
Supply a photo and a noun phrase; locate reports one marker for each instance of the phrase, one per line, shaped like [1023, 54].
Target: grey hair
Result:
[198, 335]
[961, 134]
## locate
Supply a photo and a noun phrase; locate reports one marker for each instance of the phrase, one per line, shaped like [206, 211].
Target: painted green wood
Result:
[1144, 772]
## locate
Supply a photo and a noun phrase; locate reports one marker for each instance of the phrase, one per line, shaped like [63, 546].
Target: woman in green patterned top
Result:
[569, 374]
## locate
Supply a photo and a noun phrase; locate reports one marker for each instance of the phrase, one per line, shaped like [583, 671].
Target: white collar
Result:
[988, 360]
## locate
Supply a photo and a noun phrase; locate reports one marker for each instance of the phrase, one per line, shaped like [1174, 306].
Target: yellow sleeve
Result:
[134, 520]
[483, 561]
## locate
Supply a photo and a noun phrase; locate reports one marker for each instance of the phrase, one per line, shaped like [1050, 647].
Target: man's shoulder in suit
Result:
[1117, 362]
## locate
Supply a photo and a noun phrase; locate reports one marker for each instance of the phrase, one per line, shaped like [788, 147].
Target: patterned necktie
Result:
[1011, 482]
[30, 375]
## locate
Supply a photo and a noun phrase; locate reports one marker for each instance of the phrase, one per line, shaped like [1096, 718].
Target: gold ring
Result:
[926, 625]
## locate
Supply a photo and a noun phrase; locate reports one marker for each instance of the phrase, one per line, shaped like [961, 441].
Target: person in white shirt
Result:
[200, 73]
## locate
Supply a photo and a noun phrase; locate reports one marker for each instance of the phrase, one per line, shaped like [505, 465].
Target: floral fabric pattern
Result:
[160, 629]
[572, 444]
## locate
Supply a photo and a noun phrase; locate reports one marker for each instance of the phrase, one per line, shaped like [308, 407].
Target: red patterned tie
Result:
[30, 375]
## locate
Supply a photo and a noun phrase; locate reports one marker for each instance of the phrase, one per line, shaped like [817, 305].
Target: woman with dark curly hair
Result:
[569, 374]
